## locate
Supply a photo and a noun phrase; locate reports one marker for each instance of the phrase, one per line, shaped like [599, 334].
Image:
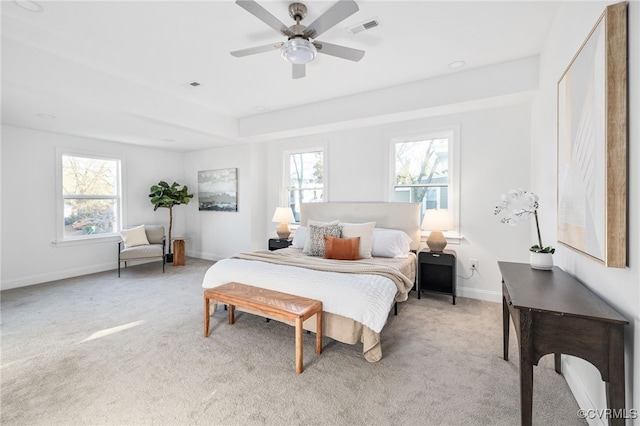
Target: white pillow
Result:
[390, 243]
[134, 237]
[307, 243]
[299, 237]
[362, 230]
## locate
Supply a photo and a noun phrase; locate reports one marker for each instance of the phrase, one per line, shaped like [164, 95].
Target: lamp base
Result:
[436, 241]
[283, 231]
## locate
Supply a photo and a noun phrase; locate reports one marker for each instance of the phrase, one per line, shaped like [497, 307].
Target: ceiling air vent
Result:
[367, 25]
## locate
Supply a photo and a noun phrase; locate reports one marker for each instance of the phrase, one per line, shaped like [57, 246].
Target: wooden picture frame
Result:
[592, 143]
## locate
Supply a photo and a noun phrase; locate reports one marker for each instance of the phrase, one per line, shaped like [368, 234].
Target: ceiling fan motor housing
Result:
[297, 11]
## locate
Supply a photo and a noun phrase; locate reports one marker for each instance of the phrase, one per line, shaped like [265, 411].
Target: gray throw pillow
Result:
[316, 235]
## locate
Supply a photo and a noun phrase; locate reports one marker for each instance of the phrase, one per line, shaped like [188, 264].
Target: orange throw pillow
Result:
[341, 248]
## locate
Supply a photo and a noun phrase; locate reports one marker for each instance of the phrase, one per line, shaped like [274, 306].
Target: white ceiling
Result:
[120, 70]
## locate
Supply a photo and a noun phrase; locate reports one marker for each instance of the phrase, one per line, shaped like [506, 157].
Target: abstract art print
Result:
[218, 190]
[592, 144]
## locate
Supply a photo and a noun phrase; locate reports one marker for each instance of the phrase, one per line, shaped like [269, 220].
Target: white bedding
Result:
[365, 298]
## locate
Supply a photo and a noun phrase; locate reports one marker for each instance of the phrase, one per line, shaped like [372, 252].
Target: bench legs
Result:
[319, 332]
[232, 314]
[298, 325]
[206, 317]
[299, 347]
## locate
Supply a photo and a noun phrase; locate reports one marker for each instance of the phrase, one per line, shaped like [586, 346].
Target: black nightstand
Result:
[276, 243]
[437, 272]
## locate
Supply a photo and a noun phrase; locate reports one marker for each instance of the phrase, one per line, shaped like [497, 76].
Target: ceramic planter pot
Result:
[542, 261]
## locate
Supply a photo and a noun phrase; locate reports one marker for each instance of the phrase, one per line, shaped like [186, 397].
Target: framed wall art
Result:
[218, 190]
[592, 143]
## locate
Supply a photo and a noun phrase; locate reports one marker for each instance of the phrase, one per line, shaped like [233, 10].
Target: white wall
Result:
[29, 255]
[216, 235]
[618, 286]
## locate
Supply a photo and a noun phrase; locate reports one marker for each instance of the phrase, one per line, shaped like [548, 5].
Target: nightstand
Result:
[437, 272]
[276, 243]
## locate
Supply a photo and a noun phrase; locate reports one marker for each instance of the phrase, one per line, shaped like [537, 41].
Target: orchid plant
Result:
[519, 205]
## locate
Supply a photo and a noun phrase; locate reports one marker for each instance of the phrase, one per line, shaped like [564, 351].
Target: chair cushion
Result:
[141, 252]
[155, 233]
[134, 236]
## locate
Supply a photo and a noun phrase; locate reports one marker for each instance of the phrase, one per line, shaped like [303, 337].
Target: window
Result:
[425, 170]
[91, 196]
[304, 178]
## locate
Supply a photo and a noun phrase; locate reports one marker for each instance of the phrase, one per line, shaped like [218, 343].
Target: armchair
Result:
[154, 249]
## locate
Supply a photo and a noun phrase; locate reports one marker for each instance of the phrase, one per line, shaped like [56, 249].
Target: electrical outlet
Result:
[474, 264]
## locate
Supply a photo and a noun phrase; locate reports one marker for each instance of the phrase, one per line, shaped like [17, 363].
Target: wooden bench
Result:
[270, 303]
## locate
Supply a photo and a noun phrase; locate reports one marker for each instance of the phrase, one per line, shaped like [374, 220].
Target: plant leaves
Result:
[165, 196]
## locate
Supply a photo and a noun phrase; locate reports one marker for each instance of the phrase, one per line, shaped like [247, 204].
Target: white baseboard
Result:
[54, 276]
[60, 275]
[579, 391]
[203, 255]
[475, 293]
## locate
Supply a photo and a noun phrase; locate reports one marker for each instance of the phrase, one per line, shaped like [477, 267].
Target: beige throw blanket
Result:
[362, 266]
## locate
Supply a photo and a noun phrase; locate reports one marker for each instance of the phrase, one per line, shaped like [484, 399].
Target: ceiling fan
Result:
[302, 46]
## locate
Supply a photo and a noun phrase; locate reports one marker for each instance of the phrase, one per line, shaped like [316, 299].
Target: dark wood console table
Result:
[554, 313]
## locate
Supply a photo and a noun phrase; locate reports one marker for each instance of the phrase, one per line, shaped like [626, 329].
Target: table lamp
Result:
[283, 216]
[436, 221]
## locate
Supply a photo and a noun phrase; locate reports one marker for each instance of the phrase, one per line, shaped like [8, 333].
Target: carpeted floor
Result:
[98, 350]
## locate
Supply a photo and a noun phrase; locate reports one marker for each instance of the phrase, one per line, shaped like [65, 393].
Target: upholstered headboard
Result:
[402, 216]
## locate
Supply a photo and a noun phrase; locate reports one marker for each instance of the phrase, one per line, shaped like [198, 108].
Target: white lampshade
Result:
[436, 221]
[283, 216]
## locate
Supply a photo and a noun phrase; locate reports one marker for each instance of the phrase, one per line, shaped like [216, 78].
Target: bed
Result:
[357, 295]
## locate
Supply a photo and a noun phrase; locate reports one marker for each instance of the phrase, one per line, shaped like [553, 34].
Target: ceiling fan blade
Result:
[262, 14]
[257, 49]
[339, 51]
[336, 13]
[299, 70]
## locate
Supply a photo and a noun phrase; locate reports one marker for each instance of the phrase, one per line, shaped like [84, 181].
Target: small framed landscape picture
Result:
[218, 190]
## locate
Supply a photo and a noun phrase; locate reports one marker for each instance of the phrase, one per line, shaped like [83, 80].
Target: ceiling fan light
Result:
[298, 51]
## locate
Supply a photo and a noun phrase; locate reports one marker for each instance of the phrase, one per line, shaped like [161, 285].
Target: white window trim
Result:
[60, 239]
[284, 181]
[453, 236]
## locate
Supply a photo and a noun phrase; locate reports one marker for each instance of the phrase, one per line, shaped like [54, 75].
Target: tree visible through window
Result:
[305, 183]
[422, 172]
[91, 195]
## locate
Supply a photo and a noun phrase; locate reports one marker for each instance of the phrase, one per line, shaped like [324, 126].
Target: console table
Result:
[554, 313]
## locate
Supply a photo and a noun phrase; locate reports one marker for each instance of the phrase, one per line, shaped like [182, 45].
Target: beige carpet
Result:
[100, 350]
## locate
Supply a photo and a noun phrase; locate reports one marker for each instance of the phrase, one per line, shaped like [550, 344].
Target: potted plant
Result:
[520, 205]
[165, 196]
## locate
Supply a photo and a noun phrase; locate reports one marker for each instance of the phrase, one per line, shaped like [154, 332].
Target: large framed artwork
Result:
[592, 143]
[218, 190]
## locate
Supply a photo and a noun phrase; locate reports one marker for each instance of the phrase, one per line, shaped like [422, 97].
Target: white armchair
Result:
[136, 245]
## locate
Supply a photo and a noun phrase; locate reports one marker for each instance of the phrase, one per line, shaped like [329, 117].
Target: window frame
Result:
[453, 134]
[61, 239]
[286, 172]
